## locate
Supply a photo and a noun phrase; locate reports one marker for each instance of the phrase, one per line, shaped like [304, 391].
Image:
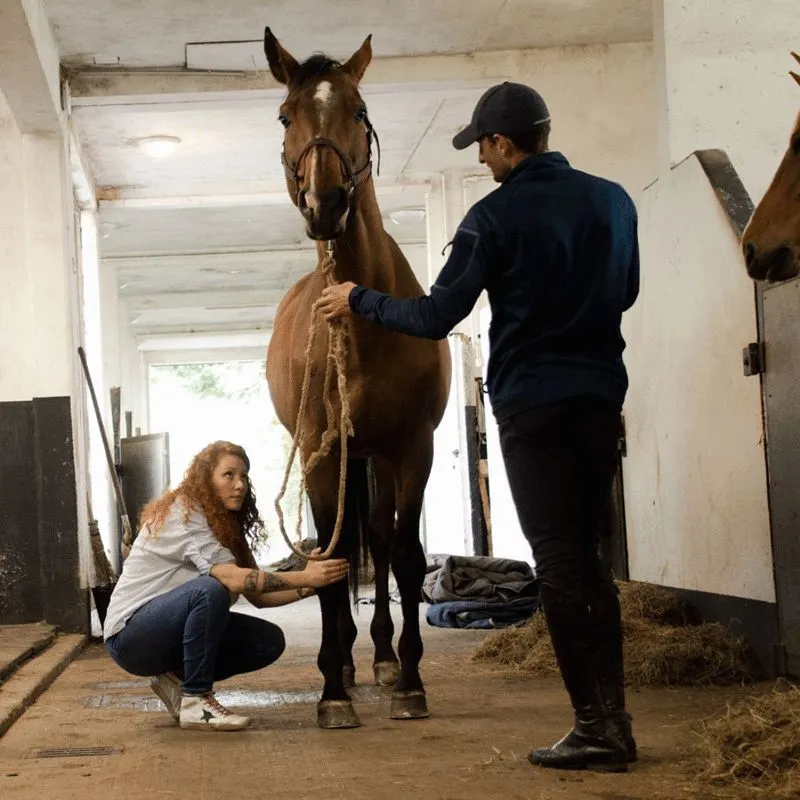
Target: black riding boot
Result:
[595, 741]
[607, 624]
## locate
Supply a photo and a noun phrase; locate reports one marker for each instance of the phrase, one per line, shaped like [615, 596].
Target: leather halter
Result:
[354, 178]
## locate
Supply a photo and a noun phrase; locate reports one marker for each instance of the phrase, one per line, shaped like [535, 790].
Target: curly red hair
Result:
[239, 531]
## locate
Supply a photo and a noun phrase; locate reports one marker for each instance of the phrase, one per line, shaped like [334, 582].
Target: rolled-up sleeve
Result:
[202, 548]
[451, 298]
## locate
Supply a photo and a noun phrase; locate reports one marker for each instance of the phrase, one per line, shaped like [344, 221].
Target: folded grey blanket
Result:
[477, 577]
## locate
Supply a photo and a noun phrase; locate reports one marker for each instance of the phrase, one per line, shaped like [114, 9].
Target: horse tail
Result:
[355, 525]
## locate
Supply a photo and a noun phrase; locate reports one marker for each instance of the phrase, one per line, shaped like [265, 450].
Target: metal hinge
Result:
[753, 359]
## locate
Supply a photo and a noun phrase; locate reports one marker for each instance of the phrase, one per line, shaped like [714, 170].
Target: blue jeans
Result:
[191, 631]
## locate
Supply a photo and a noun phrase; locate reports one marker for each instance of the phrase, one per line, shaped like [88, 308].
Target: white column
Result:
[133, 375]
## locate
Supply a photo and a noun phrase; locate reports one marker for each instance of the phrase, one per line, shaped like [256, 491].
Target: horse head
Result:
[327, 145]
[771, 242]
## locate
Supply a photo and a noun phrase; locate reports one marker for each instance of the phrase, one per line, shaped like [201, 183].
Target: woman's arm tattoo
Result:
[251, 582]
[270, 582]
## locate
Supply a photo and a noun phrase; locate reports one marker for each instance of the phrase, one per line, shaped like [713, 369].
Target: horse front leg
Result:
[408, 565]
[335, 708]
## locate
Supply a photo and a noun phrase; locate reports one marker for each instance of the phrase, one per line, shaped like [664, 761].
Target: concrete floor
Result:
[483, 722]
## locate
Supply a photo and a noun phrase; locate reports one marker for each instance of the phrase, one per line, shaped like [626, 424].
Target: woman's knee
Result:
[212, 590]
[271, 643]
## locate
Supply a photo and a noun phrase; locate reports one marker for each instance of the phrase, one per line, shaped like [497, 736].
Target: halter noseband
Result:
[354, 178]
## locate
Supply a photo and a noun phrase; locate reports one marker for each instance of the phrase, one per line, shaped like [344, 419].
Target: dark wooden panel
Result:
[754, 620]
[20, 586]
[64, 602]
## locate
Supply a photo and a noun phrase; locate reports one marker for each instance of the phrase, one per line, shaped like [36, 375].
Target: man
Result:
[557, 251]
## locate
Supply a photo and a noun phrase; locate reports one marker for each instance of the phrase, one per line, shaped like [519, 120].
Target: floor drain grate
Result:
[75, 752]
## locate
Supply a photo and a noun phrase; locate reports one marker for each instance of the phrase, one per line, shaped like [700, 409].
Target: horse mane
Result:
[313, 67]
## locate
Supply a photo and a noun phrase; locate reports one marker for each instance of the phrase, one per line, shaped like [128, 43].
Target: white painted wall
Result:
[723, 82]
[39, 284]
[602, 101]
[133, 375]
[33, 253]
[695, 482]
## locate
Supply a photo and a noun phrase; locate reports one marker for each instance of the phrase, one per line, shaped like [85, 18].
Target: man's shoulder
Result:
[601, 185]
[486, 212]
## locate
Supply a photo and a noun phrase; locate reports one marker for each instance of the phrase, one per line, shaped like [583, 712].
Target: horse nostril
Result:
[749, 253]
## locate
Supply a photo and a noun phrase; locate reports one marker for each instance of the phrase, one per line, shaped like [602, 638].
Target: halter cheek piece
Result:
[353, 178]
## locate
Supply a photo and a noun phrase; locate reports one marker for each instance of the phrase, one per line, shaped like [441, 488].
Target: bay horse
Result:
[771, 241]
[397, 385]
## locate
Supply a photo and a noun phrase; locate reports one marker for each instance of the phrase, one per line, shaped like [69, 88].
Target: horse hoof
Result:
[386, 672]
[332, 714]
[409, 705]
[348, 676]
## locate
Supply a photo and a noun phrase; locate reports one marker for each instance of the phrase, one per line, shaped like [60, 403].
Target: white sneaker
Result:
[168, 688]
[203, 712]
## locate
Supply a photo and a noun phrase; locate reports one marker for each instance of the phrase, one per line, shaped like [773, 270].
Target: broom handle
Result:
[127, 536]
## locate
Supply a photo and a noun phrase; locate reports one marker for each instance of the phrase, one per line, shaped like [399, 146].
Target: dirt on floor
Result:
[483, 722]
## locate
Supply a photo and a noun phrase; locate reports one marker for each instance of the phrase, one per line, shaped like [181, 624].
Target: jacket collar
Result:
[538, 164]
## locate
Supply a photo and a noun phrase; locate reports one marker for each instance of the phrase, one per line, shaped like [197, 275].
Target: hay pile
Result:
[662, 646]
[755, 747]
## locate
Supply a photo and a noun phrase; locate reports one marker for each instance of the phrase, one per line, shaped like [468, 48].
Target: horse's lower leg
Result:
[385, 667]
[335, 709]
[408, 564]
[347, 637]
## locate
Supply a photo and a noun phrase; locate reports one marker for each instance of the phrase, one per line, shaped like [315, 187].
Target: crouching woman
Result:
[170, 615]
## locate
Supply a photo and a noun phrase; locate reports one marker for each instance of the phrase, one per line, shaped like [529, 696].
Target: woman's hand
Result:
[324, 573]
[335, 301]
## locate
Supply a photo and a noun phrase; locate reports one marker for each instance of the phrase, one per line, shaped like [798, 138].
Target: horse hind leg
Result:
[386, 667]
[408, 565]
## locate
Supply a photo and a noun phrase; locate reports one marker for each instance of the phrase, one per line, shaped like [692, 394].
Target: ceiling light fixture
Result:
[158, 146]
[407, 216]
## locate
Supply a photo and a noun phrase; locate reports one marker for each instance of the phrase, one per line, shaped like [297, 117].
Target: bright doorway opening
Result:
[200, 403]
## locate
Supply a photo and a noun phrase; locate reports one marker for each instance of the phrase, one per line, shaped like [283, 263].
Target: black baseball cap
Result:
[505, 108]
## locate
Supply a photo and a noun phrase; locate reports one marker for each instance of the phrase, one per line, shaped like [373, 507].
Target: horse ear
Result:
[796, 57]
[282, 64]
[359, 61]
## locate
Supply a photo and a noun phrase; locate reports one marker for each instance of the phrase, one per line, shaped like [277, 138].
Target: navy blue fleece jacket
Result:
[556, 249]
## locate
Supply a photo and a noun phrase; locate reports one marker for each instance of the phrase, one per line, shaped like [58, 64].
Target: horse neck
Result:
[363, 254]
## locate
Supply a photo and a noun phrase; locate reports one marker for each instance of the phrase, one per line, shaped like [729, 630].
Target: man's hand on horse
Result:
[335, 301]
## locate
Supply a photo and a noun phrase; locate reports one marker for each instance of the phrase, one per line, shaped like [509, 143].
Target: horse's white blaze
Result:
[313, 167]
[323, 97]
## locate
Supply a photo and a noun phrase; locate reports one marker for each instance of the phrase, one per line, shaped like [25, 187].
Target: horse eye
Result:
[284, 120]
[796, 145]
[361, 114]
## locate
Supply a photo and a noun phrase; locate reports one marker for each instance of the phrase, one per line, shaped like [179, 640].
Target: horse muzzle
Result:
[778, 264]
[325, 215]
